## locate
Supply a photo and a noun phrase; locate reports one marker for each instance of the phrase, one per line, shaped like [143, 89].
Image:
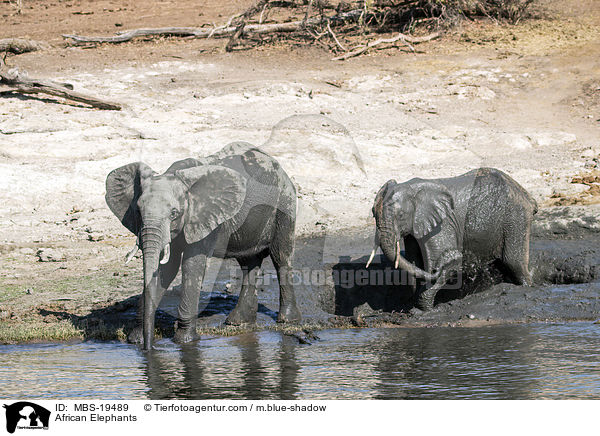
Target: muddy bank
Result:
[333, 289]
[566, 274]
[474, 98]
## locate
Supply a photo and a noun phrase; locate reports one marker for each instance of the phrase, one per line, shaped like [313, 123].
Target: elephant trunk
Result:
[390, 245]
[152, 238]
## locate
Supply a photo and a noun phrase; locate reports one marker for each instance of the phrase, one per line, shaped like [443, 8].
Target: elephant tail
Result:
[535, 206]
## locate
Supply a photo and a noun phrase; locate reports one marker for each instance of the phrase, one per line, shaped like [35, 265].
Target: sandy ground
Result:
[525, 99]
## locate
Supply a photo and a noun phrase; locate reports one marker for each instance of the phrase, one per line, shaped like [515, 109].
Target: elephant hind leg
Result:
[281, 251]
[515, 256]
[518, 270]
[245, 310]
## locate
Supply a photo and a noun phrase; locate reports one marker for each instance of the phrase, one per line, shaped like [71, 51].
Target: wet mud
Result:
[566, 275]
[334, 289]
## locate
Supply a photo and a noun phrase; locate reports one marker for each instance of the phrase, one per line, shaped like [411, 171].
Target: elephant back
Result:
[489, 198]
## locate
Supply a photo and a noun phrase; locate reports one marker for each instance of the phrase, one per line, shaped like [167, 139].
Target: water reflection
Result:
[257, 366]
[511, 362]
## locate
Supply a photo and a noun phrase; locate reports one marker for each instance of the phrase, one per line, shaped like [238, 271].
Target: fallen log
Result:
[407, 39]
[20, 45]
[199, 32]
[14, 80]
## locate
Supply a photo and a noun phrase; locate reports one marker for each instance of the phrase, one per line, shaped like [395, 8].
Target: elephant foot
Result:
[185, 334]
[239, 317]
[426, 299]
[415, 311]
[289, 314]
[135, 336]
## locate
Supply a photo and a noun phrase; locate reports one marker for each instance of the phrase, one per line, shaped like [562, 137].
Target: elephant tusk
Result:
[397, 261]
[166, 254]
[371, 257]
[131, 254]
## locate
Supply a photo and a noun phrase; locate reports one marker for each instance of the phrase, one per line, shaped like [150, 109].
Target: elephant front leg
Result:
[247, 305]
[451, 261]
[426, 298]
[192, 275]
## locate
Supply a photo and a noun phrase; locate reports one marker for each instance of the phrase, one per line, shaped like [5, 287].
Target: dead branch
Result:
[248, 30]
[20, 45]
[407, 39]
[17, 81]
[243, 20]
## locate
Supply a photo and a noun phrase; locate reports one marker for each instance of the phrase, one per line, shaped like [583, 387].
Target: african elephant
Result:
[483, 215]
[238, 203]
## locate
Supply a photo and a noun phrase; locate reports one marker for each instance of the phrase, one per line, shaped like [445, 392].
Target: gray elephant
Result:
[238, 203]
[481, 216]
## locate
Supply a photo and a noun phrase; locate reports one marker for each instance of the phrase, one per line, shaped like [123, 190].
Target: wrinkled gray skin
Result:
[237, 203]
[483, 213]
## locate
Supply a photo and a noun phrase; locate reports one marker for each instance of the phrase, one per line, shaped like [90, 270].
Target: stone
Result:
[50, 255]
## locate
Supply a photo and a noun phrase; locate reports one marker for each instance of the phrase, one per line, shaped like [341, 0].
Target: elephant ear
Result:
[433, 204]
[215, 194]
[123, 188]
[381, 194]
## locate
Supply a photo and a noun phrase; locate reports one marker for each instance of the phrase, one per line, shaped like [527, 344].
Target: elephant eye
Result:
[174, 214]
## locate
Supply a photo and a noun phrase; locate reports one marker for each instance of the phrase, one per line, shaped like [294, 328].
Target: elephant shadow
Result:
[111, 322]
[379, 286]
[385, 288]
[222, 303]
[119, 319]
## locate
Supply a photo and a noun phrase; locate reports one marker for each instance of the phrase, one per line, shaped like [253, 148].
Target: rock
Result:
[519, 142]
[361, 312]
[50, 255]
[304, 337]
[95, 236]
[27, 251]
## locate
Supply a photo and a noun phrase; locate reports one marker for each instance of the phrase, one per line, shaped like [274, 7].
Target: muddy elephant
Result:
[238, 203]
[481, 216]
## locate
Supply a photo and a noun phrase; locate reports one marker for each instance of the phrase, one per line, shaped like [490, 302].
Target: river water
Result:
[528, 361]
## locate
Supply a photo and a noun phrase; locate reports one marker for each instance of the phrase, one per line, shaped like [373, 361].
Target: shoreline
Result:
[62, 310]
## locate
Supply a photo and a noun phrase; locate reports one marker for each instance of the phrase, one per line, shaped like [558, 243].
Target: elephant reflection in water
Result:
[456, 363]
[238, 373]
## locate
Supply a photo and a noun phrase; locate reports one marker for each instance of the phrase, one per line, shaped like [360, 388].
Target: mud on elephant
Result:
[483, 216]
[237, 203]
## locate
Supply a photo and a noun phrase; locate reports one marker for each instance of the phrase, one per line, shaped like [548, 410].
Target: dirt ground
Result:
[524, 98]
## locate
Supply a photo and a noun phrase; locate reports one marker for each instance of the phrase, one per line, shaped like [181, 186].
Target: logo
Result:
[26, 415]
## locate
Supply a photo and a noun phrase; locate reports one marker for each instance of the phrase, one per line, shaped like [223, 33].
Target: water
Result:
[537, 361]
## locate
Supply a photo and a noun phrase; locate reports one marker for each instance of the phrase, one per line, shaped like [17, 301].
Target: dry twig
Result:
[335, 37]
[407, 39]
